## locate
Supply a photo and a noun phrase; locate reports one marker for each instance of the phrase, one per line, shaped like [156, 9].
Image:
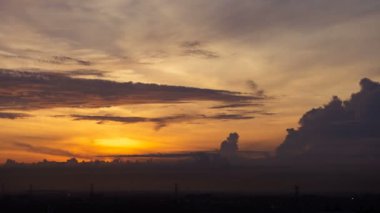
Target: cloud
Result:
[191, 44]
[201, 52]
[30, 90]
[110, 118]
[75, 73]
[11, 115]
[44, 150]
[223, 116]
[163, 121]
[236, 30]
[160, 122]
[194, 48]
[56, 60]
[255, 88]
[237, 105]
[85, 72]
[67, 59]
[229, 147]
[252, 85]
[340, 129]
[252, 112]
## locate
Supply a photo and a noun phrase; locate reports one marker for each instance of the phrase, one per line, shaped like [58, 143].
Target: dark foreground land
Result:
[57, 201]
[189, 188]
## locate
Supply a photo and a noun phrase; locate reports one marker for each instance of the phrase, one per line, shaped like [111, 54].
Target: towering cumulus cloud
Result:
[229, 147]
[341, 130]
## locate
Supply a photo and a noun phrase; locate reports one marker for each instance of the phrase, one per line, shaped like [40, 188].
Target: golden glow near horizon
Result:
[299, 63]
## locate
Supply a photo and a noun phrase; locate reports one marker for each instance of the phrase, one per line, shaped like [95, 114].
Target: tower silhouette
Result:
[91, 190]
[30, 191]
[176, 191]
[2, 189]
[296, 191]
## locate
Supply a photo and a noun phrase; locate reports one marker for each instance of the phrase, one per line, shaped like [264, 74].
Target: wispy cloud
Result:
[195, 48]
[11, 115]
[44, 150]
[163, 121]
[85, 72]
[56, 60]
[237, 105]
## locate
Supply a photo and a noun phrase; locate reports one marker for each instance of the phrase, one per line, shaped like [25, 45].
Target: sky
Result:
[89, 78]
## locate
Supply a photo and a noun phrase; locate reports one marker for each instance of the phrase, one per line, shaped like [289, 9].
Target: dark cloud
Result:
[66, 60]
[237, 105]
[85, 72]
[110, 118]
[255, 88]
[69, 73]
[164, 121]
[57, 60]
[30, 90]
[251, 112]
[224, 116]
[44, 150]
[263, 113]
[252, 85]
[161, 122]
[257, 93]
[195, 48]
[229, 147]
[11, 115]
[201, 52]
[191, 44]
[339, 130]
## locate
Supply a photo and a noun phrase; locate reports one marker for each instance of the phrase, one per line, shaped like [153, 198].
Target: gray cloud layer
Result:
[30, 90]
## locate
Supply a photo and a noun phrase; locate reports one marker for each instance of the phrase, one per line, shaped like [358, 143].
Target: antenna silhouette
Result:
[176, 191]
[296, 191]
[30, 189]
[92, 190]
[2, 189]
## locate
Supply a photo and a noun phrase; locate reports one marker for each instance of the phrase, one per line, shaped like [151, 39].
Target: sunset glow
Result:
[200, 70]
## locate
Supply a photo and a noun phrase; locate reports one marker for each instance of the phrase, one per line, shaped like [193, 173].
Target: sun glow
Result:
[122, 142]
[122, 145]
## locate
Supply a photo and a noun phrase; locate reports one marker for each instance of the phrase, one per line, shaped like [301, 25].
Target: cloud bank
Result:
[31, 90]
[339, 130]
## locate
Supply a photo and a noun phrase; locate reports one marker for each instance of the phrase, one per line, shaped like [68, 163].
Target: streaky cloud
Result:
[41, 90]
[12, 115]
[44, 150]
[237, 105]
[161, 122]
[195, 48]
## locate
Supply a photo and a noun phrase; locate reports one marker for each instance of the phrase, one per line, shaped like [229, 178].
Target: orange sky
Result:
[293, 56]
